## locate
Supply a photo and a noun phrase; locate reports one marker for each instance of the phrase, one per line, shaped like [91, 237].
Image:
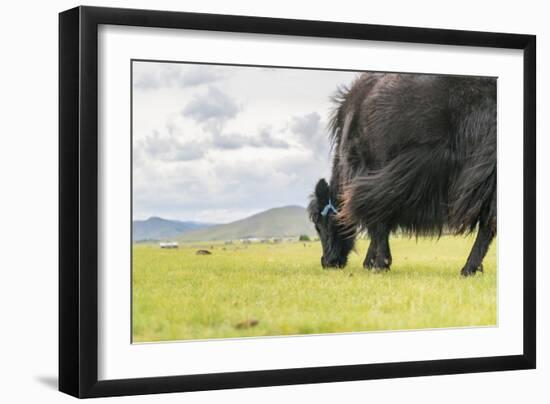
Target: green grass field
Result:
[178, 295]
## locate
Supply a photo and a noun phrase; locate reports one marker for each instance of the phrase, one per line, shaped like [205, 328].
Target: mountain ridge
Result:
[284, 221]
[156, 228]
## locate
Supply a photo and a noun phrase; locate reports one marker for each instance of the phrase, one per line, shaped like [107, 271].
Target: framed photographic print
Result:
[250, 201]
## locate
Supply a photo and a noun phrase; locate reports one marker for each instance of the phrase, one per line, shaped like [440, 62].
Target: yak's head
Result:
[322, 212]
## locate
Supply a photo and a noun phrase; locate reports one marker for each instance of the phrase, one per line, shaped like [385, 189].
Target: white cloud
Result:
[311, 131]
[155, 76]
[211, 107]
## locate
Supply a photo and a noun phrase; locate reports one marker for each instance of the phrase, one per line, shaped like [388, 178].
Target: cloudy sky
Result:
[219, 143]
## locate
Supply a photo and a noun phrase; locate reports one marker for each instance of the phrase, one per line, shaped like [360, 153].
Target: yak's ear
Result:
[322, 192]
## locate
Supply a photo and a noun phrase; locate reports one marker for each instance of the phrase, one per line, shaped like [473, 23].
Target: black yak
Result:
[414, 153]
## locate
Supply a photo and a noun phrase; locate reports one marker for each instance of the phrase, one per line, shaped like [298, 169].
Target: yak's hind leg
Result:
[485, 235]
[379, 254]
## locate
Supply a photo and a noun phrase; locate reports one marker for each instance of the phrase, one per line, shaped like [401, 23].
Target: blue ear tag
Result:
[329, 207]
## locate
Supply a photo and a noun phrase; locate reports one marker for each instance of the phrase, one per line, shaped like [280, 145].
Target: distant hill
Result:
[156, 228]
[286, 221]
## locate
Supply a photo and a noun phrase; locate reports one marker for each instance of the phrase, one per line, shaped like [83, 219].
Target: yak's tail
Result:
[410, 191]
[473, 195]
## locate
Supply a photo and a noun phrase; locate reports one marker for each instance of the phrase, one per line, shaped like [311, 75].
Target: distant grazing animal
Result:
[410, 152]
[203, 252]
[247, 323]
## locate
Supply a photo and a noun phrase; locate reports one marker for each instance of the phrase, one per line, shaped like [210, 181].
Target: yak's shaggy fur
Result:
[411, 152]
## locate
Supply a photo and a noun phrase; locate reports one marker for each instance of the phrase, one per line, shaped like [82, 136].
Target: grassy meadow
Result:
[280, 289]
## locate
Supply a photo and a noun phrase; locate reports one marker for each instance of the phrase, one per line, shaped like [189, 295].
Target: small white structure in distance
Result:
[169, 244]
[250, 240]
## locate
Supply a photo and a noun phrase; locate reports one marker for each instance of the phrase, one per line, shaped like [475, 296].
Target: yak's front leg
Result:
[485, 235]
[379, 254]
[371, 254]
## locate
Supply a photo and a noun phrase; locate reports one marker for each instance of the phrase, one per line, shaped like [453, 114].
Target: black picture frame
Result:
[78, 201]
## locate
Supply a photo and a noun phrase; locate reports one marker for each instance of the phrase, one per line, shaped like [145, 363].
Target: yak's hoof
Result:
[368, 264]
[378, 270]
[470, 270]
[377, 265]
